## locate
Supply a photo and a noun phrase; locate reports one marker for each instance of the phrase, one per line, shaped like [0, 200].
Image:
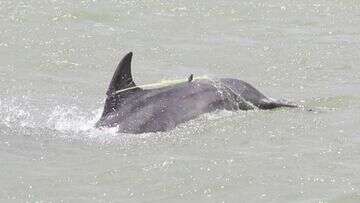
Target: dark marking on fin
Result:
[122, 77]
[191, 77]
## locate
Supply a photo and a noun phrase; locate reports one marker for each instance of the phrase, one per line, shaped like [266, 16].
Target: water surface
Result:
[57, 58]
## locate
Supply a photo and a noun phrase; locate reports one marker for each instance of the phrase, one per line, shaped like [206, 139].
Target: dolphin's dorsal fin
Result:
[191, 77]
[122, 78]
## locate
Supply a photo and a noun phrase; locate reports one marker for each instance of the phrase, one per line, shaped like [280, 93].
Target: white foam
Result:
[64, 118]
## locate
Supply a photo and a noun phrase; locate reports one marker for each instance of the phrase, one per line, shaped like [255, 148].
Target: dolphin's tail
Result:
[271, 104]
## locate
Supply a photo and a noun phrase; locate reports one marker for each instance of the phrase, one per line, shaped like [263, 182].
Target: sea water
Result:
[57, 58]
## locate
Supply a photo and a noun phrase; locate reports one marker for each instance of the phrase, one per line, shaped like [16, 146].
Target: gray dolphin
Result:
[134, 109]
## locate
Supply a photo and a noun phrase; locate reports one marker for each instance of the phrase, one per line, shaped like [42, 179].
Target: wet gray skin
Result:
[136, 110]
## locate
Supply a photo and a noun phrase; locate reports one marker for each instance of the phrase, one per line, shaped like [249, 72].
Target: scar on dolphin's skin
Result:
[137, 109]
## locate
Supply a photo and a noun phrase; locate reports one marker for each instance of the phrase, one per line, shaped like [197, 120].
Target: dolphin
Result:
[135, 109]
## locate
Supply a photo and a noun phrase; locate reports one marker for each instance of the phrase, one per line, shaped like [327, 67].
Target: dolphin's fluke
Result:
[122, 77]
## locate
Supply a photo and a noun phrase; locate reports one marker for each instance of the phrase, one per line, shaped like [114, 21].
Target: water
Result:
[57, 58]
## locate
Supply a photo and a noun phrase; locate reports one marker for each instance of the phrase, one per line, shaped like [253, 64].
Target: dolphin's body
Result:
[137, 110]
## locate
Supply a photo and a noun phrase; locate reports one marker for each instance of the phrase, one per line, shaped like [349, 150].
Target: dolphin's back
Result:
[163, 108]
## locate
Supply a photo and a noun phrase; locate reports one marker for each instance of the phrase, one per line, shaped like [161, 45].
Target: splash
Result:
[71, 122]
[75, 124]
[13, 112]
[64, 118]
